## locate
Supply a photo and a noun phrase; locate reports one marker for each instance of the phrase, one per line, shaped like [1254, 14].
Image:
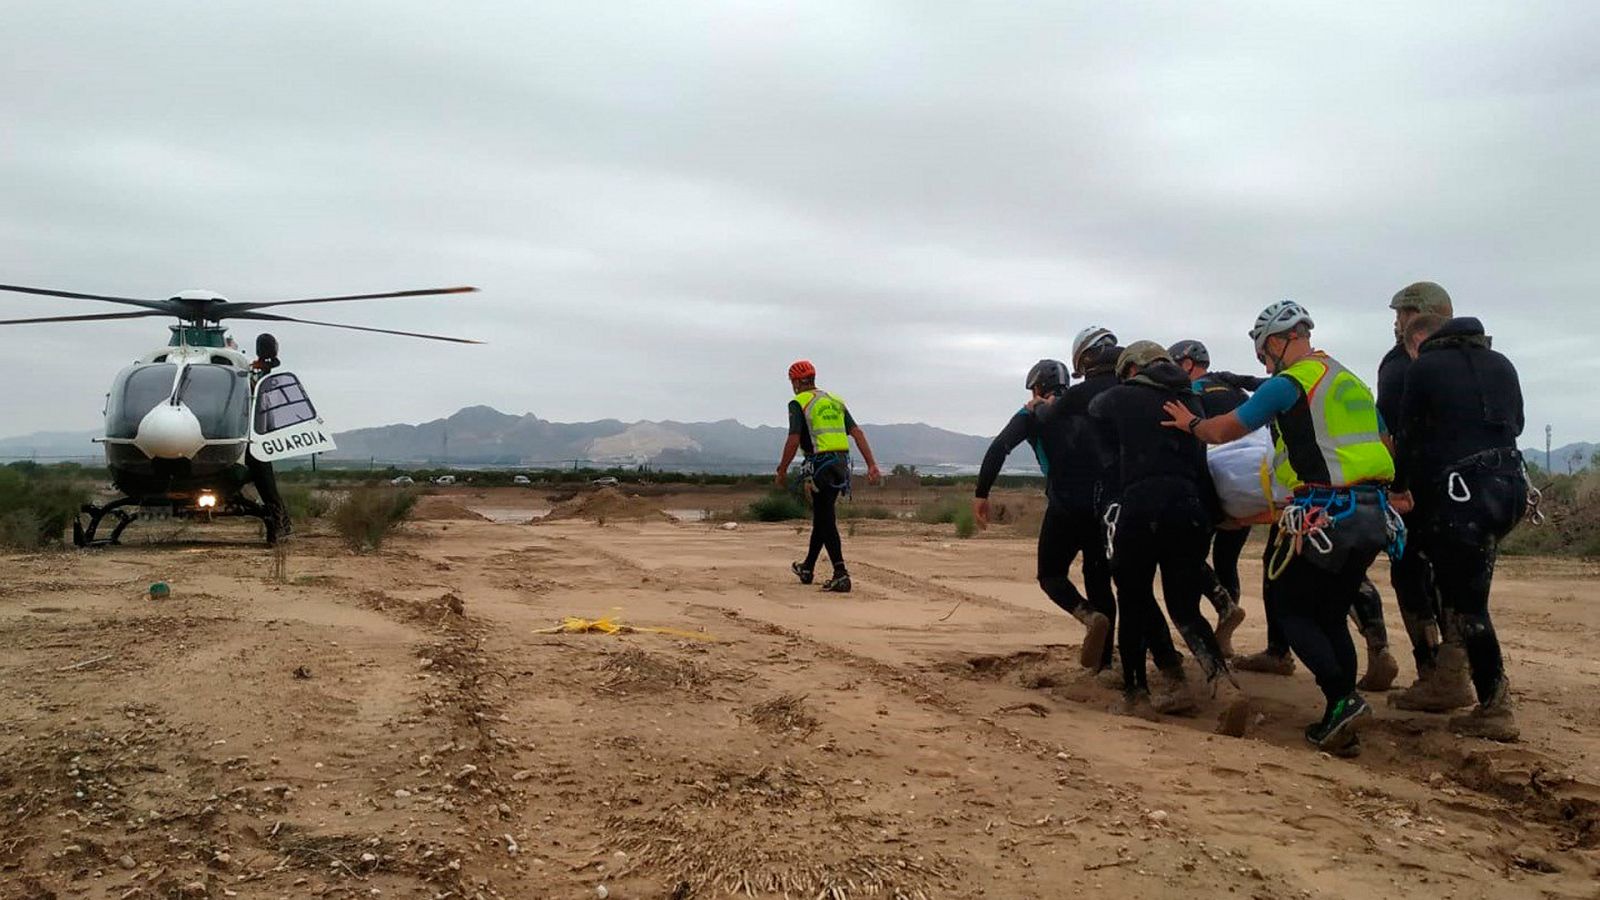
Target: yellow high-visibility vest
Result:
[1332, 437]
[825, 417]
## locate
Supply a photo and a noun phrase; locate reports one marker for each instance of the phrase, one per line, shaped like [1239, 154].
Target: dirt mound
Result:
[443, 509]
[607, 503]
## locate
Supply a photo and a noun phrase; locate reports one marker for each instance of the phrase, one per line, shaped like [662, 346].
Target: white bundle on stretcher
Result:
[1242, 470]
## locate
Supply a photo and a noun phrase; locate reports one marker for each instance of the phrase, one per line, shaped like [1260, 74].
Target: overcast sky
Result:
[665, 204]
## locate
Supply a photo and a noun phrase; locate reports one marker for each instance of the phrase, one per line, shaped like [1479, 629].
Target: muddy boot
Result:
[1135, 704]
[1175, 695]
[1228, 621]
[1447, 686]
[1234, 716]
[1490, 720]
[1266, 661]
[839, 583]
[1382, 669]
[1097, 630]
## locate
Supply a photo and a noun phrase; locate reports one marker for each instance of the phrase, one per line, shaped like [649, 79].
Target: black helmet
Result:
[1192, 350]
[1048, 375]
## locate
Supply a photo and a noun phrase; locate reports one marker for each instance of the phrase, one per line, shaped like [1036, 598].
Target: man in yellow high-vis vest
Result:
[1331, 452]
[821, 427]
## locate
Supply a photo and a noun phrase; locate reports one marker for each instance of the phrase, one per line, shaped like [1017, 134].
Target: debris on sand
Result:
[782, 714]
[607, 503]
[634, 670]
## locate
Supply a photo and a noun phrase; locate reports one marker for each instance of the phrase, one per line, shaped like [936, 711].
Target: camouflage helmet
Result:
[1423, 297]
[1141, 353]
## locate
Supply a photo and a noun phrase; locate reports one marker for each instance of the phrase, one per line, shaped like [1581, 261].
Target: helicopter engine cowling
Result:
[169, 431]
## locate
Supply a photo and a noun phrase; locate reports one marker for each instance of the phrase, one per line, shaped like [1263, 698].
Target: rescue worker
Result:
[1222, 587]
[1460, 417]
[1442, 681]
[262, 475]
[1222, 393]
[820, 427]
[1160, 519]
[1331, 454]
[1060, 456]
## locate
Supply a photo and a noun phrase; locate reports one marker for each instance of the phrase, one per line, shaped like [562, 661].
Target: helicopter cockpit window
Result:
[136, 391]
[219, 396]
[281, 402]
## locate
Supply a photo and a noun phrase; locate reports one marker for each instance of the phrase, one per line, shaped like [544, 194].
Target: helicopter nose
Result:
[169, 432]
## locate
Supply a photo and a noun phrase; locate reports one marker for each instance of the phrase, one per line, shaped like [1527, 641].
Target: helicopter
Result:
[189, 425]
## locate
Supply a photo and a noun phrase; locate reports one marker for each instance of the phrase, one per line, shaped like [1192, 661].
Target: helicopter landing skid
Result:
[84, 535]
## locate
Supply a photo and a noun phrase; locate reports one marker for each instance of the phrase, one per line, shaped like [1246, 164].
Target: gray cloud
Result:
[666, 204]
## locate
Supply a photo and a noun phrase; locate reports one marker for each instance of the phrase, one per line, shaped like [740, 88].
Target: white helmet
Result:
[1277, 319]
[1087, 339]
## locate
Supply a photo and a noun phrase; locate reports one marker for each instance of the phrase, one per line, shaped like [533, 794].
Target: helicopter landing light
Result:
[206, 500]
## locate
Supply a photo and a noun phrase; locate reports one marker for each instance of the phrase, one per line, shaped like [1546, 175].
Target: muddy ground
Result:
[395, 725]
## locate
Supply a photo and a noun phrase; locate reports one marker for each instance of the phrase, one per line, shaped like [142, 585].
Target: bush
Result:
[941, 512]
[778, 506]
[369, 513]
[852, 511]
[304, 503]
[966, 522]
[38, 506]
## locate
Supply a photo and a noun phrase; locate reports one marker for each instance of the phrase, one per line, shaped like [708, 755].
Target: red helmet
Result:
[802, 370]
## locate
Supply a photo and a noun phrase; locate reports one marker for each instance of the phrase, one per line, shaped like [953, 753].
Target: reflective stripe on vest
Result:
[825, 417]
[1345, 420]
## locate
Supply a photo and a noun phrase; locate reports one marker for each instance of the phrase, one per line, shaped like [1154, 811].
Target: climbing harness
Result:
[1312, 518]
[1112, 514]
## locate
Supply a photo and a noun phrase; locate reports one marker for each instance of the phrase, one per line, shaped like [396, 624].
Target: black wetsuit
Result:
[1166, 507]
[1222, 393]
[1062, 443]
[830, 478]
[1459, 422]
[1410, 575]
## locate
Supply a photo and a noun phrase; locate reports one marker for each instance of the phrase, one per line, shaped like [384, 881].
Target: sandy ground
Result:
[392, 725]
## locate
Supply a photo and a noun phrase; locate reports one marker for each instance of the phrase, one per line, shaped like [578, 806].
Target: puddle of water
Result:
[511, 515]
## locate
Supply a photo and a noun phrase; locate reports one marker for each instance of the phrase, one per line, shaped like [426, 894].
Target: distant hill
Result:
[47, 446]
[1574, 456]
[480, 435]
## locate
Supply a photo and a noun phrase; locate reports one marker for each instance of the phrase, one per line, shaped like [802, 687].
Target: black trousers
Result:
[1173, 540]
[1366, 608]
[1312, 606]
[1463, 573]
[266, 482]
[825, 526]
[1227, 545]
[1064, 534]
[1414, 592]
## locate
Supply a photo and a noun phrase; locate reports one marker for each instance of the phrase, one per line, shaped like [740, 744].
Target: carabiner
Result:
[1320, 541]
[1112, 515]
[1457, 488]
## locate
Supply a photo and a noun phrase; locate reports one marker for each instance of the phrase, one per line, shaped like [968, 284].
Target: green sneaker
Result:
[1336, 733]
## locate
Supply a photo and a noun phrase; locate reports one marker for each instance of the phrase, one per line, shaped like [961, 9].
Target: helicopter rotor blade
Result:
[96, 317]
[272, 317]
[161, 305]
[228, 309]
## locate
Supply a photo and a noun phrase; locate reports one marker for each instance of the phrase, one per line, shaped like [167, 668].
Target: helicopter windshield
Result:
[219, 396]
[136, 391]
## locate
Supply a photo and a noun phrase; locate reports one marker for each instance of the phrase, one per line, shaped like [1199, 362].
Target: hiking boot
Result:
[1490, 720]
[1175, 695]
[1136, 705]
[1234, 717]
[1228, 621]
[1382, 670]
[838, 584]
[1266, 661]
[1337, 731]
[1442, 688]
[804, 574]
[1097, 630]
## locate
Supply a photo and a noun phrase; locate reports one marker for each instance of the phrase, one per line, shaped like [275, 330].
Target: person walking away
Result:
[1059, 542]
[1330, 453]
[1161, 520]
[1442, 681]
[820, 427]
[1460, 418]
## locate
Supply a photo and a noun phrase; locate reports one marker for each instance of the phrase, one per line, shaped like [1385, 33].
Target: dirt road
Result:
[393, 725]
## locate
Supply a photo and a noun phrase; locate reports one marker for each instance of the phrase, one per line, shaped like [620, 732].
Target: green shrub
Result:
[966, 522]
[940, 512]
[369, 513]
[38, 506]
[778, 506]
[305, 503]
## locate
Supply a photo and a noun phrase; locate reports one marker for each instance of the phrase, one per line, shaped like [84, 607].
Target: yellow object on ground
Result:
[610, 625]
